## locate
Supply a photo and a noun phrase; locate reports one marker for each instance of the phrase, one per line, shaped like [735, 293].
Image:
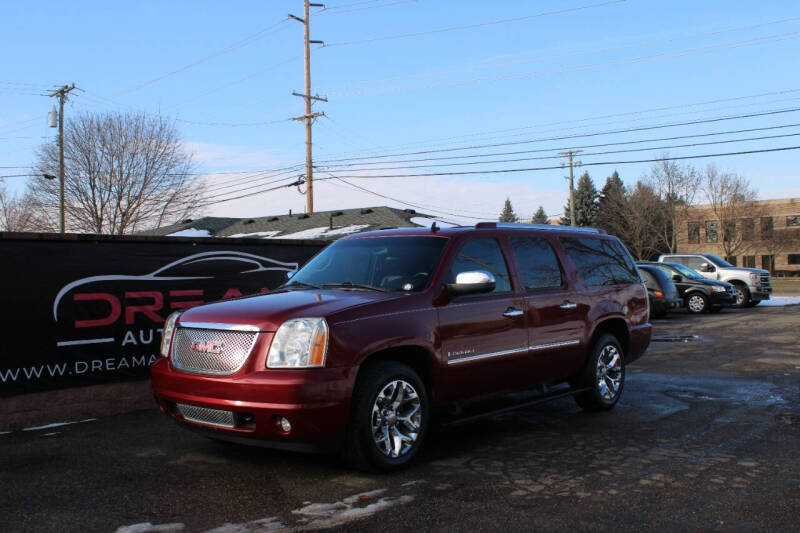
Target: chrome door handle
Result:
[511, 313]
[568, 305]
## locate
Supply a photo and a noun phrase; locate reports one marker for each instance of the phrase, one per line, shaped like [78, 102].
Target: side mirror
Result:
[290, 274]
[705, 267]
[677, 278]
[472, 282]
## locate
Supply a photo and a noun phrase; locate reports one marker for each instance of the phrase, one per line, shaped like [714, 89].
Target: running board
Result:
[547, 397]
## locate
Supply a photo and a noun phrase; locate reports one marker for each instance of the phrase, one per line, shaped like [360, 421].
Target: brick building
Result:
[766, 236]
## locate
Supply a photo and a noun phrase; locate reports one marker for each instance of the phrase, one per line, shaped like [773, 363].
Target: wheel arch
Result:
[617, 327]
[415, 356]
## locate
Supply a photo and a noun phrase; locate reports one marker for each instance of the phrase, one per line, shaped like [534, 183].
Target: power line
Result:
[476, 25]
[233, 124]
[575, 136]
[447, 140]
[514, 170]
[646, 149]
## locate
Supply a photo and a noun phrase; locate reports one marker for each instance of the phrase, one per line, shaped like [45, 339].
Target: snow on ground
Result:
[778, 301]
[256, 235]
[58, 424]
[322, 231]
[426, 222]
[191, 232]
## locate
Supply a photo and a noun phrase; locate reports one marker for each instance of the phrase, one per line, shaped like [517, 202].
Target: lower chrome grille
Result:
[215, 352]
[204, 415]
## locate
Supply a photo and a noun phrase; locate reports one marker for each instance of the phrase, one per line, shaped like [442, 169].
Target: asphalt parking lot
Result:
[706, 436]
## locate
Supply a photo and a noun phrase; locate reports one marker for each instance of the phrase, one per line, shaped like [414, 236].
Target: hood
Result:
[716, 282]
[746, 269]
[269, 311]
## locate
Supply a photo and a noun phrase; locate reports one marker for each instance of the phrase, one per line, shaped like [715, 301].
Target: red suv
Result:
[361, 344]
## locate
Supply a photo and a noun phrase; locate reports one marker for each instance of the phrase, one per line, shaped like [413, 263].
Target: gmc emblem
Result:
[214, 347]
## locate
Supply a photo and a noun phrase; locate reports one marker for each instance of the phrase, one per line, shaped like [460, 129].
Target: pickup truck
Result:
[361, 344]
[752, 285]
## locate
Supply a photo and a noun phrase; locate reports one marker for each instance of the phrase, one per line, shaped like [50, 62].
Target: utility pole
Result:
[61, 93]
[571, 163]
[309, 116]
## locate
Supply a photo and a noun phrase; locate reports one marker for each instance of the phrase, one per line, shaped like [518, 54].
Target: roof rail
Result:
[544, 227]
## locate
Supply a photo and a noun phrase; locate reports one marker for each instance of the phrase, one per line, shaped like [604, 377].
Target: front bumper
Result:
[718, 299]
[315, 401]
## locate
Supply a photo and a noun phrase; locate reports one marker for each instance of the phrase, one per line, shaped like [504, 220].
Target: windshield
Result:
[685, 271]
[718, 260]
[402, 264]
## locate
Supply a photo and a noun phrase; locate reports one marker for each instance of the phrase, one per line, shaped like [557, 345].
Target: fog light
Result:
[284, 424]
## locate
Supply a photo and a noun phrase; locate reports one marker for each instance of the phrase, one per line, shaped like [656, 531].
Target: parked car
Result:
[699, 294]
[662, 295]
[363, 341]
[752, 284]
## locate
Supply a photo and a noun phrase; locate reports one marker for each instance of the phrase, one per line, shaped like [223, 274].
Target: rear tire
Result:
[697, 303]
[389, 418]
[604, 374]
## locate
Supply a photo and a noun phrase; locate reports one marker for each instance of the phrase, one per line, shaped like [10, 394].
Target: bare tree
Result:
[124, 172]
[677, 185]
[733, 203]
[16, 213]
[647, 215]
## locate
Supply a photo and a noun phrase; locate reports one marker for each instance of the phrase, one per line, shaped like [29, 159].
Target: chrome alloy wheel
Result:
[396, 418]
[696, 303]
[609, 372]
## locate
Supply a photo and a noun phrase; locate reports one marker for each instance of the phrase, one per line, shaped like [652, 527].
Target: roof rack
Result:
[544, 227]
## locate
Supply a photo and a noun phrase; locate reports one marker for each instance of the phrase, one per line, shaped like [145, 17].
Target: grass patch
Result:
[786, 287]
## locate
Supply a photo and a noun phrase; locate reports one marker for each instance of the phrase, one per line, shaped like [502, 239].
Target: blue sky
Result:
[407, 76]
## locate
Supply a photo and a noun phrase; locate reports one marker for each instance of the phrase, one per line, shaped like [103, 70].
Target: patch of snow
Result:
[323, 231]
[426, 222]
[325, 515]
[147, 527]
[191, 232]
[256, 235]
[51, 434]
[58, 424]
[5, 432]
[262, 525]
[779, 301]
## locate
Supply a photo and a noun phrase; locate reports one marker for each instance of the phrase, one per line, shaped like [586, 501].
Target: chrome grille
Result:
[765, 281]
[234, 348]
[204, 415]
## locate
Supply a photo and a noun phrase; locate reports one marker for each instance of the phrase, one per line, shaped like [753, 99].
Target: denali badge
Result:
[206, 347]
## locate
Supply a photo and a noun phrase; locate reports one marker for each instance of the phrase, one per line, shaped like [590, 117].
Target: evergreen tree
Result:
[540, 217]
[508, 214]
[585, 201]
[612, 206]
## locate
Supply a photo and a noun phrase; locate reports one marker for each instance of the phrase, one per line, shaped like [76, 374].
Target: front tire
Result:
[697, 303]
[389, 418]
[742, 295]
[753, 303]
[604, 374]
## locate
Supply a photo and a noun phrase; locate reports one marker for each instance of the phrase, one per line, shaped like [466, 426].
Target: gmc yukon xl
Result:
[380, 328]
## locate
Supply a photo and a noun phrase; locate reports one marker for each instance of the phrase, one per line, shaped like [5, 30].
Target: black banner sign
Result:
[80, 311]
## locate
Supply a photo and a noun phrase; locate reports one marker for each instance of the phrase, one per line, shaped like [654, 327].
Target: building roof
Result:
[325, 225]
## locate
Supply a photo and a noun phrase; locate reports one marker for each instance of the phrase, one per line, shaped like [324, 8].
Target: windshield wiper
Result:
[351, 285]
[299, 285]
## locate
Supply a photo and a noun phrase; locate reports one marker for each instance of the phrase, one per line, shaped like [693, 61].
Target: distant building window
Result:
[794, 259]
[748, 229]
[768, 262]
[711, 231]
[766, 227]
[749, 261]
[792, 221]
[694, 233]
[729, 231]
[731, 259]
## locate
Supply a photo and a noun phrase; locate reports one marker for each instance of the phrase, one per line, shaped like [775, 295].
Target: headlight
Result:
[168, 330]
[299, 343]
[718, 288]
[754, 276]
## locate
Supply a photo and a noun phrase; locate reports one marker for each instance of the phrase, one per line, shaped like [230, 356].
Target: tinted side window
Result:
[483, 254]
[694, 262]
[600, 261]
[537, 263]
